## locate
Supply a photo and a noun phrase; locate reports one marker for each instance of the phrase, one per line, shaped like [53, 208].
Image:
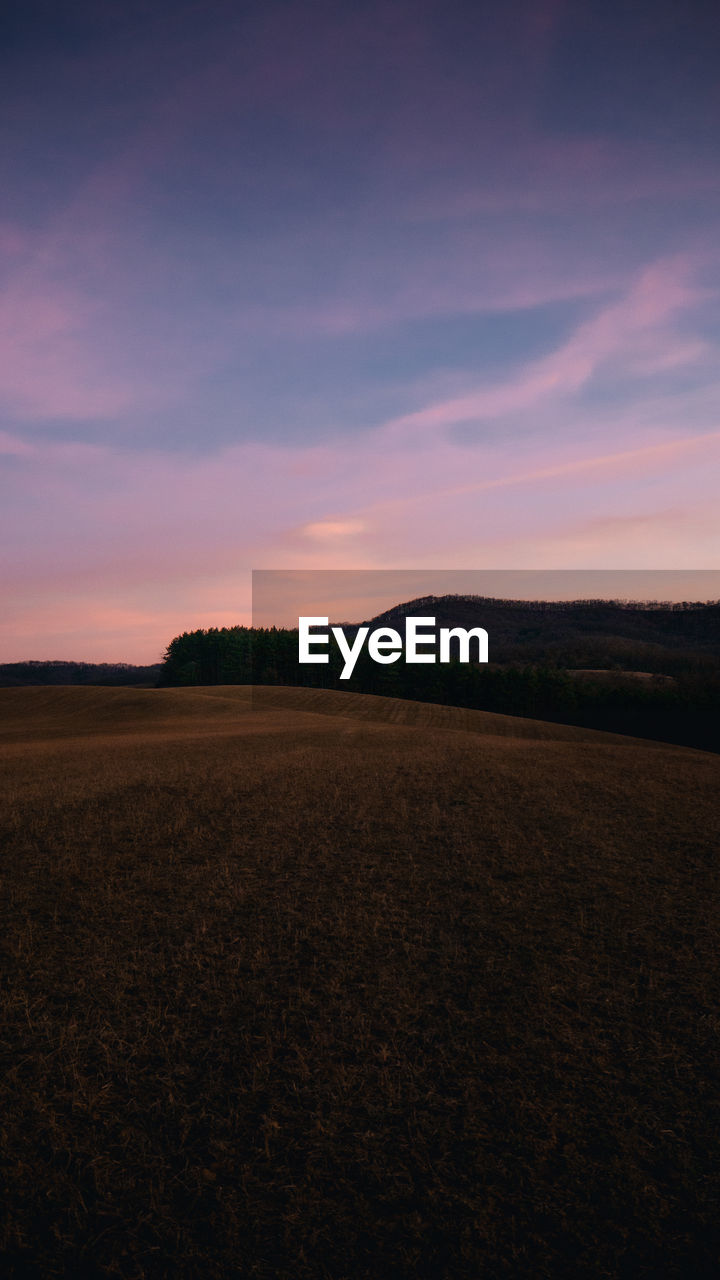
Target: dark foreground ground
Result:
[332, 986]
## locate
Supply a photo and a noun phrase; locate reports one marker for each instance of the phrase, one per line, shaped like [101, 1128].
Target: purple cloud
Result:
[305, 286]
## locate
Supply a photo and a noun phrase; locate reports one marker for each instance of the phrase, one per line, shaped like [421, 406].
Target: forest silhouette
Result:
[648, 670]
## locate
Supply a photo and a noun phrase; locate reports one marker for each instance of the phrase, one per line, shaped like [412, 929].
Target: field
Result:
[321, 986]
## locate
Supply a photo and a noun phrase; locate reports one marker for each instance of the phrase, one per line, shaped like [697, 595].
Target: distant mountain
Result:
[662, 637]
[13, 674]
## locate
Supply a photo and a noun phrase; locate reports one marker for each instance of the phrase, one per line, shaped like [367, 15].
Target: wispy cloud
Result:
[633, 332]
[46, 367]
[321, 287]
[332, 530]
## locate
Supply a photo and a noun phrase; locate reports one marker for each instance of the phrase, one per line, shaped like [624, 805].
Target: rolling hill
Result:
[300, 983]
[579, 632]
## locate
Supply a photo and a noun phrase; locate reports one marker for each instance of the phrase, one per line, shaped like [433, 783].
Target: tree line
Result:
[38, 672]
[683, 708]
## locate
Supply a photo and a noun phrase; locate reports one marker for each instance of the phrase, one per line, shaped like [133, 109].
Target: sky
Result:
[296, 285]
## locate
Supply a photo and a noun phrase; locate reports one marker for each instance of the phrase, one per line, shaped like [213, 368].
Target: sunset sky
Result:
[348, 285]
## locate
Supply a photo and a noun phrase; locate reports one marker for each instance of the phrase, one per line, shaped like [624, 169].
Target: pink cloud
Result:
[630, 328]
[550, 175]
[175, 540]
[13, 447]
[45, 366]
[125, 548]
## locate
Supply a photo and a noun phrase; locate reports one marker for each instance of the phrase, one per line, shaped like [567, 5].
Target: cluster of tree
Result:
[13, 674]
[222, 655]
[684, 707]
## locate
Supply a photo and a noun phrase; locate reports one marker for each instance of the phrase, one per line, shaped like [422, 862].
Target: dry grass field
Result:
[320, 986]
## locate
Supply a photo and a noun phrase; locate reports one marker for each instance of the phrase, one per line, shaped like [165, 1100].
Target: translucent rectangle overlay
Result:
[648, 622]
[281, 596]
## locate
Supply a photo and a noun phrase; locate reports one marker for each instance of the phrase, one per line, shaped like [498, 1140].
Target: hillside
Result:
[573, 666]
[580, 632]
[299, 983]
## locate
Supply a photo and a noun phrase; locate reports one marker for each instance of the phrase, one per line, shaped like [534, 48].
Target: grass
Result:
[313, 984]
